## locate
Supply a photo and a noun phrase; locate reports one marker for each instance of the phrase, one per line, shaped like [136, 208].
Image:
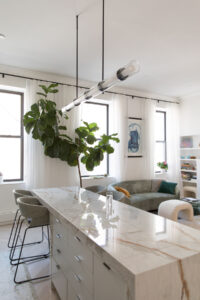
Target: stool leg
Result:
[18, 263]
[13, 225]
[16, 236]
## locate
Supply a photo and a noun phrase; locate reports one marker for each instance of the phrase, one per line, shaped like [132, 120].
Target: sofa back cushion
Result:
[155, 185]
[135, 186]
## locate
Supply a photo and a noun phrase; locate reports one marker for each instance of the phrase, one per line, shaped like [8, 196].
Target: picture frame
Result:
[135, 137]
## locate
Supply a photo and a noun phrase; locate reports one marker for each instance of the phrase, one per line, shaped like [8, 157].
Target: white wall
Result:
[190, 115]
[135, 168]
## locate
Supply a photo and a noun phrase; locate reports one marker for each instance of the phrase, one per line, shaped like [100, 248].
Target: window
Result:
[160, 136]
[98, 113]
[11, 135]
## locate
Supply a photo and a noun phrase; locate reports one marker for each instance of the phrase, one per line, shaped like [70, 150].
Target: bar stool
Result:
[17, 194]
[14, 230]
[34, 215]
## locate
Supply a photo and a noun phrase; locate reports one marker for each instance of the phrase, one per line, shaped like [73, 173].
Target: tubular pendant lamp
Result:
[122, 74]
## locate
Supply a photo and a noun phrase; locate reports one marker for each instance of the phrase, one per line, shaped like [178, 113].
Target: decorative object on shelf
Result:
[122, 74]
[135, 135]
[186, 142]
[163, 165]
[1, 177]
[44, 122]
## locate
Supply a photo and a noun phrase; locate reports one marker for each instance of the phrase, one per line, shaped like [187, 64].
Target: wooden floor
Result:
[40, 290]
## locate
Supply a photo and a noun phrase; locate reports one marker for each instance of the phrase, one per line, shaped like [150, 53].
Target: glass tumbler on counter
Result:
[109, 203]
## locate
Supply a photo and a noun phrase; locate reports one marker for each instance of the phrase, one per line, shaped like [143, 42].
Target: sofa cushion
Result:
[155, 185]
[167, 187]
[135, 186]
[122, 190]
[149, 201]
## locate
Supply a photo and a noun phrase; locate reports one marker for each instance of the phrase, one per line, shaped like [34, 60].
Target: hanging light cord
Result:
[77, 56]
[103, 36]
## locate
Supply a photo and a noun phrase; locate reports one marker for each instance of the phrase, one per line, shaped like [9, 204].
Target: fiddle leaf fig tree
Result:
[45, 123]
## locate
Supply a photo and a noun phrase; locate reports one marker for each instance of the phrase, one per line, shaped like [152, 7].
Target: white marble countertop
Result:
[138, 240]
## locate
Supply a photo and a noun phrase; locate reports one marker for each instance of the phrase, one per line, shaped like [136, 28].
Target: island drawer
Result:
[58, 279]
[72, 295]
[79, 282]
[108, 284]
[79, 252]
[59, 229]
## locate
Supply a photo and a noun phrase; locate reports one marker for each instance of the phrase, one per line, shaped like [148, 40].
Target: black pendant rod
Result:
[76, 56]
[3, 74]
[103, 36]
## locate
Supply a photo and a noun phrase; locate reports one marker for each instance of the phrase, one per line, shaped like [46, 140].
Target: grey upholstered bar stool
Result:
[15, 225]
[17, 194]
[34, 215]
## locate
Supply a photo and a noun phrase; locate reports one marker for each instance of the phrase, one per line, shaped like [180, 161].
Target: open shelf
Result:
[191, 171]
[194, 159]
[190, 148]
[190, 181]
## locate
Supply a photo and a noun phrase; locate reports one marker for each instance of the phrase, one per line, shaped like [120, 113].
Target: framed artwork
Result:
[135, 136]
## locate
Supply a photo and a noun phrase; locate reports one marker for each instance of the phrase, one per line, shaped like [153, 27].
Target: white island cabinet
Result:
[127, 254]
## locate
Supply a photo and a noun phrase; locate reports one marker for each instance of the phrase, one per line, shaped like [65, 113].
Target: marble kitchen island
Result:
[126, 254]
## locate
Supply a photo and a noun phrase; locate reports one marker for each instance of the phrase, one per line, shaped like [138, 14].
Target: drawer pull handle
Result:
[58, 235]
[57, 221]
[78, 258]
[78, 278]
[107, 266]
[58, 267]
[58, 251]
[77, 238]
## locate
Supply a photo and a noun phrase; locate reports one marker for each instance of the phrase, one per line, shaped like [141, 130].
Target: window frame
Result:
[21, 136]
[107, 132]
[165, 134]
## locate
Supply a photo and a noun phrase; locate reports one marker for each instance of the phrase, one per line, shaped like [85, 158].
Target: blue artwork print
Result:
[134, 141]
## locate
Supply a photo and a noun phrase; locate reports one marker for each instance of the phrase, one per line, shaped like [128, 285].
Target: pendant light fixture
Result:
[122, 74]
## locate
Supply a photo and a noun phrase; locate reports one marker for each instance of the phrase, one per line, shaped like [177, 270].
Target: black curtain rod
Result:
[84, 87]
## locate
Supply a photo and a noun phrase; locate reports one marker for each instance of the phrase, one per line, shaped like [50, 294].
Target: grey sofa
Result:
[144, 193]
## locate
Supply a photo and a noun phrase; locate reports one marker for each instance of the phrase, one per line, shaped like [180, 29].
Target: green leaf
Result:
[93, 127]
[109, 149]
[45, 89]
[53, 85]
[53, 91]
[62, 127]
[41, 94]
[90, 164]
[91, 139]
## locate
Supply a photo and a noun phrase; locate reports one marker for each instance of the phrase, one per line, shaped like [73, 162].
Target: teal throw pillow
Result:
[167, 187]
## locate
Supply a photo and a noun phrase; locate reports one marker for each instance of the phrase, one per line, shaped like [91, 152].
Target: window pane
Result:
[10, 149]
[10, 113]
[97, 114]
[160, 126]
[159, 154]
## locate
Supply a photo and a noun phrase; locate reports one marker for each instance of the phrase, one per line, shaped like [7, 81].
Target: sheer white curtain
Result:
[149, 138]
[119, 124]
[173, 142]
[40, 170]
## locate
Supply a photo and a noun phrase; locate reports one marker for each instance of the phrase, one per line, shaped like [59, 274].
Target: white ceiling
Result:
[163, 35]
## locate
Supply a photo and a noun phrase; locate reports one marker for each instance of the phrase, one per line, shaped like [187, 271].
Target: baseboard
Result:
[6, 217]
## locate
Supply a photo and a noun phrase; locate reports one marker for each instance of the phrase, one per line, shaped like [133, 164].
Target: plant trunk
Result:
[79, 173]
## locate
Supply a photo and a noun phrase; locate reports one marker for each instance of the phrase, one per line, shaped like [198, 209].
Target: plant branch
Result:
[79, 172]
